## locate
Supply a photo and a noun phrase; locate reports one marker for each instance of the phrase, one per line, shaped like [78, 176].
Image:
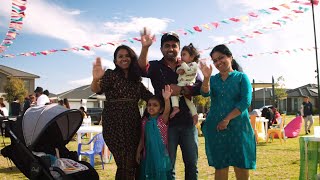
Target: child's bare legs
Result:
[175, 106]
[174, 111]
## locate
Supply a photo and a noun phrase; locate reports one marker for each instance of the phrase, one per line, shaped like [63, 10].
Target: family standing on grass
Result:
[145, 147]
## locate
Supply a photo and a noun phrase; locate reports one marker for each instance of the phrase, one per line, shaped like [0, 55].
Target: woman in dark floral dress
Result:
[121, 120]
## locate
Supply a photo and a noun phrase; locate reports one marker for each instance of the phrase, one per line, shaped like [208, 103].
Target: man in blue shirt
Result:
[182, 130]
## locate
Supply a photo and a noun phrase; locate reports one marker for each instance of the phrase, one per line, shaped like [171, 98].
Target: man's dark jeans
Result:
[187, 138]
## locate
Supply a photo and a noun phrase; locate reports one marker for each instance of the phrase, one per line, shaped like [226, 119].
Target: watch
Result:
[182, 91]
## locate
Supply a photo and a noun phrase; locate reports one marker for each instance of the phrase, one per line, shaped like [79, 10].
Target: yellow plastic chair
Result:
[277, 129]
[253, 120]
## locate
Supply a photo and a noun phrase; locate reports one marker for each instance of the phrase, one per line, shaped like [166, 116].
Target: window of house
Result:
[27, 84]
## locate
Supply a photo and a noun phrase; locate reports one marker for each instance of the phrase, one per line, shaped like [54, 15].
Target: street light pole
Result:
[316, 50]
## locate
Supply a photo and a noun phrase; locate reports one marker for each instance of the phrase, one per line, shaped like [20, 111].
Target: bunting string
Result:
[196, 29]
[17, 14]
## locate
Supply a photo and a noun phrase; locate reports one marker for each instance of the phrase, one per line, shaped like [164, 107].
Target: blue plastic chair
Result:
[97, 149]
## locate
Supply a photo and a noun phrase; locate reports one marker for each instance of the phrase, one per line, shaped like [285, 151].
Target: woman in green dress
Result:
[229, 137]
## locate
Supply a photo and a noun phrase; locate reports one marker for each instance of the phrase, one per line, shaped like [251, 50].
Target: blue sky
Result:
[58, 24]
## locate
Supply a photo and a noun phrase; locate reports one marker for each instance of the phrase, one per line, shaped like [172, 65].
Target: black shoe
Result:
[309, 131]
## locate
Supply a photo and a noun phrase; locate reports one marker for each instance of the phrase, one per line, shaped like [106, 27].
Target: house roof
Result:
[310, 90]
[83, 92]
[16, 73]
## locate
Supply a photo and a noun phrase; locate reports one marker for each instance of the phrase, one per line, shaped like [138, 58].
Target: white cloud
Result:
[136, 24]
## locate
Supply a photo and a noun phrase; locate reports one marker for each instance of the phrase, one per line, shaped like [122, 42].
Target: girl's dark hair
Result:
[134, 72]
[192, 51]
[223, 49]
[156, 98]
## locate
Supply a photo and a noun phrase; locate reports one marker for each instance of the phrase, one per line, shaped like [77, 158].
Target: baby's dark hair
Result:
[192, 51]
[157, 98]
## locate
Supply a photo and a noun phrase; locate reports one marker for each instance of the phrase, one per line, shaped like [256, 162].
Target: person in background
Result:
[15, 107]
[121, 119]
[4, 110]
[268, 114]
[152, 149]
[187, 77]
[26, 104]
[66, 103]
[306, 113]
[181, 130]
[84, 113]
[42, 99]
[229, 137]
[60, 102]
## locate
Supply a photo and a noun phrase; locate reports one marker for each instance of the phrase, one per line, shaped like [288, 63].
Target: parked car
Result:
[95, 114]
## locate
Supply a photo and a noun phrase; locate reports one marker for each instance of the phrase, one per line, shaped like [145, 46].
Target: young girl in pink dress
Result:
[152, 151]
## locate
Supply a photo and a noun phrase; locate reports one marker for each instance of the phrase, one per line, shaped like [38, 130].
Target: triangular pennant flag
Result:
[234, 19]
[190, 31]
[215, 24]
[274, 8]
[86, 47]
[206, 26]
[285, 6]
[197, 28]
[224, 21]
[244, 18]
[241, 40]
[252, 14]
[297, 11]
[277, 23]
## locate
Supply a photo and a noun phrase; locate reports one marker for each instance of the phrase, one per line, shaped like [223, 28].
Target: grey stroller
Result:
[46, 129]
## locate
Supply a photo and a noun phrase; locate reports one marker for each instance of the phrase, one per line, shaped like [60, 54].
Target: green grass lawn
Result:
[274, 161]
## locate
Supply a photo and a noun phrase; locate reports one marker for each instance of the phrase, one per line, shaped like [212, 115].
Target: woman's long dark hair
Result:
[134, 72]
[223, 49]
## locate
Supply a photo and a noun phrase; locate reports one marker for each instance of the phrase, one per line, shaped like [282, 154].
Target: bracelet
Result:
[97, 81]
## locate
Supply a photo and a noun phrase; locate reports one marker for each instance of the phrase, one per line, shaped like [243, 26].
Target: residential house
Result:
[295, 97]
[27, 78]
[262, 97]
[74, 97]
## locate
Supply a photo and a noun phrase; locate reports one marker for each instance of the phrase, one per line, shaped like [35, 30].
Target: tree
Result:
[15, 88]
[279, 90]
[203, 102]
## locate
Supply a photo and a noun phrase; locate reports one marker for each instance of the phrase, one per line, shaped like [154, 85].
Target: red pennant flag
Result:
[250, 54]
[86, 47]
[215, 24]
[287, 17]
[235, 19]
[257, 32]
[274, 8]
[297, 11]
[197, 28]
[241, 40]
[252, 14]
[137, 39]
[277, 23]
[315, 2]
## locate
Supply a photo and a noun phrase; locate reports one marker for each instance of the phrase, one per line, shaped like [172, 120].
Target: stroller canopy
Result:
[44, 123]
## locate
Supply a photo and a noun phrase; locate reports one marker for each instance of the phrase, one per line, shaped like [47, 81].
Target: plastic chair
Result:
[97, 149]
[277, 129]
[253, 120]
